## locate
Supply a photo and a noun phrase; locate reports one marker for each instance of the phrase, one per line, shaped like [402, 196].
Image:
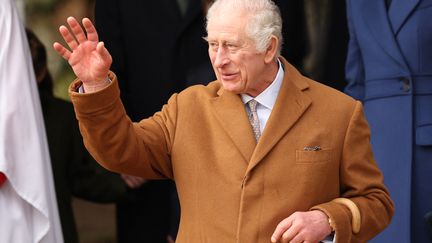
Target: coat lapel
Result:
[289, 107]
[375, 15]
[231, 113]
[399, 12]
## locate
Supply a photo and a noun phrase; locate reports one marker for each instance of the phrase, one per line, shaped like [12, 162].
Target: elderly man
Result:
[262, 154]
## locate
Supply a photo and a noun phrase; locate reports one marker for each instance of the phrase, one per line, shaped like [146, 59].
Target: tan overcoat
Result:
[231, 189]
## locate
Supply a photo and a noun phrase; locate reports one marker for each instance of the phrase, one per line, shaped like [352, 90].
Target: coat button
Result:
[406, 84]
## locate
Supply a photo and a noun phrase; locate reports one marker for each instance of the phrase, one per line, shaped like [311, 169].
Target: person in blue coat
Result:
[389, 68]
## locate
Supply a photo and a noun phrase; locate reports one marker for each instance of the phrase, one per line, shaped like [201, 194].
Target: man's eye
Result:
[212, 44]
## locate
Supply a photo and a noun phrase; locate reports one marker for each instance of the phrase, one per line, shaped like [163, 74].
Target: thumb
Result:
[106, 56]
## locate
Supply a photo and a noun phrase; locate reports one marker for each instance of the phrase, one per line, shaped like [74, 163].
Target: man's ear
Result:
[270, 53]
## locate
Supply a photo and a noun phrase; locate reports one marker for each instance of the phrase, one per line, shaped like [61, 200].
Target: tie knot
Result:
[252, 105]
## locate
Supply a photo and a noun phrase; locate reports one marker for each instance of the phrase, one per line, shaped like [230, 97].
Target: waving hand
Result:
[88, 57]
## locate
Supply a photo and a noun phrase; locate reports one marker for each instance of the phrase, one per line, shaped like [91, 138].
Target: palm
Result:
[87, 64]
[88, 57]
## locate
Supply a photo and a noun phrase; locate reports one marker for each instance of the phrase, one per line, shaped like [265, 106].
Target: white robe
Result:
[28, 207]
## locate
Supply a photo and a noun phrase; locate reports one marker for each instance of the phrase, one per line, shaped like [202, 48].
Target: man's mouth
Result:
[228, 76]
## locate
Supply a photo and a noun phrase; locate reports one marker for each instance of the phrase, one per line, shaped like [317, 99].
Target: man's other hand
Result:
[133, 181]
[308, 227]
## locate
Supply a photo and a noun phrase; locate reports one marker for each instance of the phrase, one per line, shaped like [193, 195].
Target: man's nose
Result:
[221, 58]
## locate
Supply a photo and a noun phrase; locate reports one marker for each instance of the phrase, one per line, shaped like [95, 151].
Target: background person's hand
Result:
[88, 57]
[133, 181]
[308, 227]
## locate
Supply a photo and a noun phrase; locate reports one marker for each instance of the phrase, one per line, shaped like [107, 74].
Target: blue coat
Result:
[389, 68]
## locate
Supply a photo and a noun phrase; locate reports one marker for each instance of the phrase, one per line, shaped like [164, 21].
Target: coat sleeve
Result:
[140, 149]
[354, 68]
[362, 182]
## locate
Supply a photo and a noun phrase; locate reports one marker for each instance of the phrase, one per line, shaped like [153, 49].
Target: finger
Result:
[131, 185]
[135, 184]
[103, 52]
[170, 239]
[67, 36]
[136, 181]
[62, 51]
[126, 179]
[139, 181]
[290, 235]
[297, 239]
[92, 35]
[280, 229]
[129, 182]
[76, 29]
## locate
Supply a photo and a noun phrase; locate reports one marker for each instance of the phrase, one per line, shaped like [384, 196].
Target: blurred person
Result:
[261, 154]
[173, 55]
[327, 40]
[315, 39]
[28, 208]
[389, 69]
[75, 172]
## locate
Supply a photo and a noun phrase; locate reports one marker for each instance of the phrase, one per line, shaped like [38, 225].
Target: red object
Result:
[2, 178]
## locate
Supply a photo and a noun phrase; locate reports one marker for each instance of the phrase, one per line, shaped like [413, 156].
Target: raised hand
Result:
[88, 57]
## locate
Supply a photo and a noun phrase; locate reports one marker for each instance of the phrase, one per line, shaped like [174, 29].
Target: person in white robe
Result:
[28, 208]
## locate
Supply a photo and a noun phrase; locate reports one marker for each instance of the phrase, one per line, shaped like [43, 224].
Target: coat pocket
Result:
[424, 135]
[304, 157]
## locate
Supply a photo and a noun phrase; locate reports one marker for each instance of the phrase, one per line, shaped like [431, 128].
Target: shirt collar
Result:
[268, 97]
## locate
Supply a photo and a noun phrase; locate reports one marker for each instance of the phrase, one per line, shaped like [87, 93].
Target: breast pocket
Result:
[318, 156]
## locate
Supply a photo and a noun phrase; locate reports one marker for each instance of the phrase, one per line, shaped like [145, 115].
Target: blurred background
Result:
[44, 17]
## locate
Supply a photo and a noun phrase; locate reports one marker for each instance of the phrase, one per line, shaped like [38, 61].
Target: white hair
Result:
[264, 20]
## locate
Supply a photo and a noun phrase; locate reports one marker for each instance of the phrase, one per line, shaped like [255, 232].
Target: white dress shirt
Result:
[266, 99]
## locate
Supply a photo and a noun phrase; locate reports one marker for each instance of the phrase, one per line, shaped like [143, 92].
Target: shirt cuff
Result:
[81, 87]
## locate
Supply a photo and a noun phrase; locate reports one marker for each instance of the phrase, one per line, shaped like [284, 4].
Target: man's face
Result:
[236, 62]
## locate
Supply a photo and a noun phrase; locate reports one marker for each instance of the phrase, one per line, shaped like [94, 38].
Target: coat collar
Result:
[399, 13]
[231, 114]
[290, 105]
[375, 15]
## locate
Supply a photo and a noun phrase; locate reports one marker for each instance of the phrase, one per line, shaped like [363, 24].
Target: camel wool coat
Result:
[231, 189]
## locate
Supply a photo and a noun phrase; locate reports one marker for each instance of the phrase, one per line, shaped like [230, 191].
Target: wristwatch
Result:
[331, 223]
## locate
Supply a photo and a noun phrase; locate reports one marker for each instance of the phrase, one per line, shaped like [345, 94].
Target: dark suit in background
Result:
[315, 38]
[167, 34]
[294, 31]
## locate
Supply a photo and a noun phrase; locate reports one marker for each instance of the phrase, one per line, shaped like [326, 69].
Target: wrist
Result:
[331, 224]
[91, 88]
